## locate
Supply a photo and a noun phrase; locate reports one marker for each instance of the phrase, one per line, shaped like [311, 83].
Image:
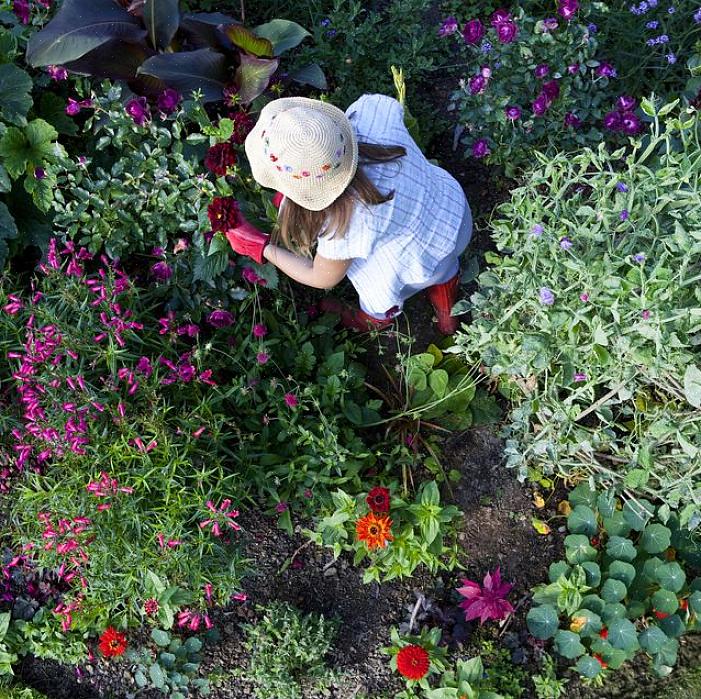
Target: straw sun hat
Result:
[305, 149]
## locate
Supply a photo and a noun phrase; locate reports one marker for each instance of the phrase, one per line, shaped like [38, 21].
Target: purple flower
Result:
[281, 507]
[572, 120]
[541, 70]
[565, 243]
[639, 257]
[573, 68]
[624, 215]
[473, 31]
[513, 113]
[646, 315]
[546, 296]
[697, 16]
[486, 72]
[652, 24]
[161, 272]
[486, 47]
[21, 10]
[448, 26]
[551, 90]
[480, 148]
[592, 28]
[567, 9]
[606, 70]
[579, 377]
[499, 17]
[537, 230]
[671, 58]
[612, 121]
[220, 319]
[671, 10]
[259, 330]
[621, 187]
[625, 103]
[168, 101]
[57, 72]
[73, 107]
[262, 357]
[477, 84]
[540, 105]
[550, 24]
[39, 173]
[137, 109]
[506, 32]
[584, 298]
[144, 366]
[488, 601]
[630, 123]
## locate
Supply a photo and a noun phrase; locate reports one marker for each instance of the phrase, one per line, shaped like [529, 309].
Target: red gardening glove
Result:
[277, 199]
[247, 240]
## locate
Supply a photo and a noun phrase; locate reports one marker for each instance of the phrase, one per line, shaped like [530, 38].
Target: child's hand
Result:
[247, 240]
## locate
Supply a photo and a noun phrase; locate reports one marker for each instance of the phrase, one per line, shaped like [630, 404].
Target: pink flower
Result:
[281, 507]
[168, 101]
[584, 298]
[579, 377]
[221, 517]
[291, 400]
[480, 148]
[262, 357]
[220, 319]
[473, 32]
[259, 330]
[646, 315]
[477, 84]
[506, 32]
[541, 70]
[161, 271]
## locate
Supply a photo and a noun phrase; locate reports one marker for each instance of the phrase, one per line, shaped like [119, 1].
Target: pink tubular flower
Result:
[221, 517]
[540, 105]
[291, 400]
[57, 73]
[541, 70]
[137, 109]
[513, 113]
[477, 84]
[161, 271]
[168, 101]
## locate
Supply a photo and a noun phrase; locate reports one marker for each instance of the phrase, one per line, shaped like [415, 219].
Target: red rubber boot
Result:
[353, 318]
[442, 298]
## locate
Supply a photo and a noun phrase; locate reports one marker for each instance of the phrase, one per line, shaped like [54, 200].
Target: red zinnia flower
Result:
[112, 643]
[151, 606]
[374, 530]
[413, 662]
[378, 499]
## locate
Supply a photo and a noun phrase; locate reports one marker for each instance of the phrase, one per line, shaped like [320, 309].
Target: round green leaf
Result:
[637, 513]
[157, 676]
[695, 585]
[582, 520]
[620, 570]
[621, 548]
[613, 590]
[162, 638]
[568, 644]
[665, 601]
[613, 611]
[635, 609]
[616, 524]
[656, 538]
[592, 624]
[582, 495]
[622, 634]
[593, 573]
[650, 568]
[652, 639]
[671, 576]
[695, 602]
[673, 626]
[668, 654]
[543, 621]
[557, 569]
[613, 657]
[594, 603]
[578, 549]
[588, 667]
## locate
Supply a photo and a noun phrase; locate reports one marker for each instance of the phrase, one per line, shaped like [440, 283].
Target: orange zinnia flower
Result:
[374, 530]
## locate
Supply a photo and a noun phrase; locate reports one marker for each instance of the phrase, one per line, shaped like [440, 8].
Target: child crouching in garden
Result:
[358, 188]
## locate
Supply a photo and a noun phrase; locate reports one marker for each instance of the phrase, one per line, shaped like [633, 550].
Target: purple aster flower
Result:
[168, 101]
[606, 70]
[477, 84]
[448, 26]
[671, 10]
[540, 105]
[625, 103]
[262, 357]
[612, 121]
[546, 296]
[630, 123]
[220, 319]
[325, 22]
[39, 173]
[653, 24]
[57, 72]
[161, 271]
[541, 70]
[472, 32]
[566, 243]
[579, 377]
[137, 109]
[592, 28]
[621, 187]
[573, 68]
[513, 113]
[624, 215]
[671, 58]
[567, 9]
[281, 507]
[550, 24]
[639, 257]
[506, 32]
[572, 120]
[537, 230]
[480, 148]
[662, 39]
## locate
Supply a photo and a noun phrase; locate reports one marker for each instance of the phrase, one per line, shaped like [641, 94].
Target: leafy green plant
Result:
[588, 315]
[418, 529]
[623, 587]
[7, 658]
[502, 675]
[154, 46]
[546, 683]
[171, 668]
[287, 652]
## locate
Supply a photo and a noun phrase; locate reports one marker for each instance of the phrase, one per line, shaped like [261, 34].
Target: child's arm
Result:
[320, 273]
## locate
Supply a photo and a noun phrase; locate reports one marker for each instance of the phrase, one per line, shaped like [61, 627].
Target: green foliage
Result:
[597, 377]
[19, 692]
[419, 529]
[502, 676]
[613, 608]
[287, 652]
[171, 666]
[546, 683]
[429, 640]
[6, 658]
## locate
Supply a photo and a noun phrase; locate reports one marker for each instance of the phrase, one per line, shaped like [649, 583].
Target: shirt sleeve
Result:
[357, 243]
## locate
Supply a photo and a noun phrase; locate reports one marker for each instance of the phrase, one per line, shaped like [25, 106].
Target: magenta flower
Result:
[550, 24]
[541, 70]
[513, 113]
[625, 103]
[584, 298]
[486, 602]
[73, 107]
[168, 101]
[630, 124]
[291, 400]
[220, 319]
[573, 68]
[579, 377]
[567, 9]
[448, 26]
[21, 10]
[477, 84]
[259, 330]
[612, 121]
[480, 148]
[473, 31]
[249, 274]
[57, 73]
[606, 70]
[499, 17]
[624, 215]
[551, 90]
[262, 357]
[161, 271]
[646, 315]
[137, 109]
[506, 32]
[221, 517]
[144, 366]
[540, 105]
[572, 120]
[281, 507]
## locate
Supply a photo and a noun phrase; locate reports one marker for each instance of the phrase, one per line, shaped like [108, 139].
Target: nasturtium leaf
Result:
[637, 513]
[613, 657]
[671, 576]
[157, 676]
[606, 503]
[692, 385]
[660, 669]
[593, 573]
[664, 601]
[613, 590]
[616, 524]
[586, 622]
[623, 571]
[673, 626]
[650, 567]
[578, 549]
[695, 602]
[656, 538]
[568, 644]
[613, 611]
[543, 621]
[557, 569]
[588, 667]
[652, 639]
[582, 520]
[621, 548]
[668, 654]
[594, 603]
[635, 608]
[160, 637]
[582, 495]
[438, 381]
[622, 634]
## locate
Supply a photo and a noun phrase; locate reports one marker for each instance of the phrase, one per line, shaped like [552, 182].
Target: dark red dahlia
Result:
[223, 213]
[413, 662]
[243, 124]
[220, 158]
[378, 499]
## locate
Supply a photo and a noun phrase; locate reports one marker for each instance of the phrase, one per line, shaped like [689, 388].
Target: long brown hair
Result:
[298, 228]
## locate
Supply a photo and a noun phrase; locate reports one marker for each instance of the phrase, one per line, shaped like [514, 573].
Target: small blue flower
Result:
[537, 230]
[697, 16]
[624, 215]
[486, 47]
[546, 296]
[671, 58]
[331, 33]
[566, 243]
[653, 24]
[663, 39]
[621, 187]
[325, 22]
[671, 10]
[592, 28]
[639, 257]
